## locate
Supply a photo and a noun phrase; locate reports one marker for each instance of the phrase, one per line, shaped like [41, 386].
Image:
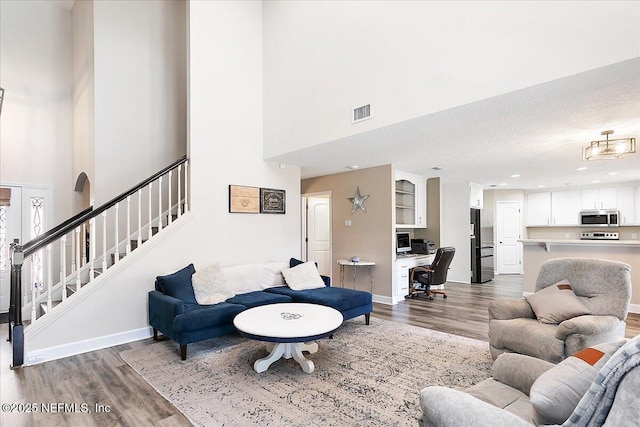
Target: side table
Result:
[355, 265]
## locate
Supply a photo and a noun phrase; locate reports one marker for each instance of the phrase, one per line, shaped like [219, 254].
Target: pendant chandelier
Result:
[609, 148]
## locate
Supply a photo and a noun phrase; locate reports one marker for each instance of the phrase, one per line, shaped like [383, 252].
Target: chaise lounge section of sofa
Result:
[174, 311]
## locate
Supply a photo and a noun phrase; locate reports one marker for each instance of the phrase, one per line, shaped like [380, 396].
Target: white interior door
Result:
[319, 232]
[508, 232]
[10, 228]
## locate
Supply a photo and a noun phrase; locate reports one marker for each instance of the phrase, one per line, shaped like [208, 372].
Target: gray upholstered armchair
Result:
[596, 387]
[603, 287]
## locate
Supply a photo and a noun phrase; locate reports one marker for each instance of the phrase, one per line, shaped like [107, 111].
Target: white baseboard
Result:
[65, 350]
[383, 299]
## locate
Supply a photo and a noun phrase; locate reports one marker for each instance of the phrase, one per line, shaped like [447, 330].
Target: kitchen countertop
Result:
[578, 242]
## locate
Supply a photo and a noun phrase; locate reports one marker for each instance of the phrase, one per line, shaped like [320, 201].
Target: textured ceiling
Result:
[537, 133]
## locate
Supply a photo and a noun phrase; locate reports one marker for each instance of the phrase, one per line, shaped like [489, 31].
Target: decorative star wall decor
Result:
[358, 201]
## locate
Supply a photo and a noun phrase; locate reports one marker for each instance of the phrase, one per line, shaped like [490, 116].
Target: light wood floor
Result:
[101, 377]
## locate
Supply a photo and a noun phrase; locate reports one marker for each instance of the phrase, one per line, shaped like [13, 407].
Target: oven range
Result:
[599, 235]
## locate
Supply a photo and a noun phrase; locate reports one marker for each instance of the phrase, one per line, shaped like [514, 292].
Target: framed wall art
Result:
[244, 199]
[272, 201]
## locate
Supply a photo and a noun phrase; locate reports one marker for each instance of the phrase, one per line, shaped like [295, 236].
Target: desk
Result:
[404, 264]
[355, 265]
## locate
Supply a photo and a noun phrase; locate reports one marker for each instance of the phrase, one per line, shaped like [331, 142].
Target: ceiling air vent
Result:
[361, 113]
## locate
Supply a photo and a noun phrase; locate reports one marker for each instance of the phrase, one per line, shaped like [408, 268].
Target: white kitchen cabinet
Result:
[627, 204]
[411, 200]
[539, 208]
[565, 207]
[599, 198]
[475, 195]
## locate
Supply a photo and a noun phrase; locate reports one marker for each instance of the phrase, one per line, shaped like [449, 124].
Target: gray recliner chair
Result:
[597, 387]
[604, 287]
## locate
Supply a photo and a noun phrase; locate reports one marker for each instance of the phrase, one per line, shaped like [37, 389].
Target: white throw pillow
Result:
[210, 286]
[303, 276]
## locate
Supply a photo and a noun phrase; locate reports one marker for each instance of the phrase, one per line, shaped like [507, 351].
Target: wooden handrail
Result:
[52, 235]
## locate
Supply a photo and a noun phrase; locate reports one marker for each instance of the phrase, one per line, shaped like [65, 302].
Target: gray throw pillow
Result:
[556, 303]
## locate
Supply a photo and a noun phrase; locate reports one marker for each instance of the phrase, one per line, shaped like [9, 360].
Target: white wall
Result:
[454, 199]
[35, 71]
[83, 95]
[410, 59]
[225, 148]
[140, 70]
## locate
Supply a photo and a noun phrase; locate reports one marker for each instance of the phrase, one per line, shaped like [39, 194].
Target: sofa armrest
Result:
[504, 309]
[162, 310]
[444, 407]
[587, 325]
[326, 280]
[519, 371]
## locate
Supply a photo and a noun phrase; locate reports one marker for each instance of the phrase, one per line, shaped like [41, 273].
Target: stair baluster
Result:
[63, 265]
[150, 217]
[78, 262]
[49, 263]
[85, 255]
[179, 195]
[104, 241]
[170, 217]
[128, 225]
[159, 204]
[139, 217]
[92, 248]
[186, 186]
[34, 287]
[116, 256]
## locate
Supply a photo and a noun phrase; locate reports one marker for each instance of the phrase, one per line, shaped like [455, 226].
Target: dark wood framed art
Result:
[243, 199]
[272, 201]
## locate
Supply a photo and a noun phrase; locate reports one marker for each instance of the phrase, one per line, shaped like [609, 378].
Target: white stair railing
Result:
[77, 266]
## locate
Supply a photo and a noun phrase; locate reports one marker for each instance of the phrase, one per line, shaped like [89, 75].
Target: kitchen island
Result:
[537, 251]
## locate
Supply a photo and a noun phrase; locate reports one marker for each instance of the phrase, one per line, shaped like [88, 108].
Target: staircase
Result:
[88, 246]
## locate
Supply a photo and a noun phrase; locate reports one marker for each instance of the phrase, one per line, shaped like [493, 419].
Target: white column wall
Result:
[140, 91]
[226, 138]
[454, 198]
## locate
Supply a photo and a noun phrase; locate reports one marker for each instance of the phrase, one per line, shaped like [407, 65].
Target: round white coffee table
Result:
[288, 328]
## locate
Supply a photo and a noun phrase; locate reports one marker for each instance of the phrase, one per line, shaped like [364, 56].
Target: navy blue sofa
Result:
[174, 311]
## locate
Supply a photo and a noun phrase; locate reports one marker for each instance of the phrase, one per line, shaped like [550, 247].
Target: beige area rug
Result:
[364, 376]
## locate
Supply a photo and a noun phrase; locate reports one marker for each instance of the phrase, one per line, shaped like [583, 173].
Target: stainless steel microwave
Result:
[600, 218]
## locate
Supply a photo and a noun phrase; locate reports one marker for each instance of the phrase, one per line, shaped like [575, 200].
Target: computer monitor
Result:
[403, 242]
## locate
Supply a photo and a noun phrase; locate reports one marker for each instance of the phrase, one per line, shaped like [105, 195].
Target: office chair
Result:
[433, 275]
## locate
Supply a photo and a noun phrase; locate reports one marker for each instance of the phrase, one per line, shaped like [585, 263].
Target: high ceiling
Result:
[537, 133]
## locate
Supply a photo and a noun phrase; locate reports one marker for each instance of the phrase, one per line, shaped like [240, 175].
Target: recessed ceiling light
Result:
[541, 186]
[582, 168]
[595, 181]
[503, 183]
[612, 173]
[515, 176]
[352, 167]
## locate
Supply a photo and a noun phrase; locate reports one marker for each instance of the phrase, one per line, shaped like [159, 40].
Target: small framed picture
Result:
[272, 201]
[244, 199]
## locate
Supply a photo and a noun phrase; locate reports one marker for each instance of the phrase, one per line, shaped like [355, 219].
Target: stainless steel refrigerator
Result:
[481, 233]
